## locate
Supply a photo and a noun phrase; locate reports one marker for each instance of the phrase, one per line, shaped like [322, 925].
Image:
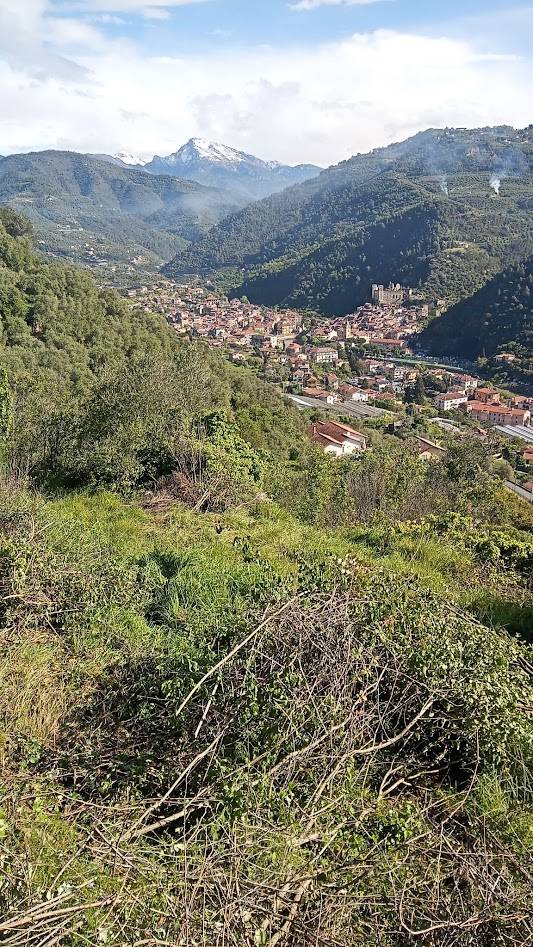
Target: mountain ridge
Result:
[122, 159]
[213, 164]
[499, 316]
[76, 202]
[322, 243]
[221, 166]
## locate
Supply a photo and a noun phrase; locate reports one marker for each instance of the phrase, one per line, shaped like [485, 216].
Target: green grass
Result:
[116, 613]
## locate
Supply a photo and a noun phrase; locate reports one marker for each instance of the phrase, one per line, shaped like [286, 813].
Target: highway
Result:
[358, 410]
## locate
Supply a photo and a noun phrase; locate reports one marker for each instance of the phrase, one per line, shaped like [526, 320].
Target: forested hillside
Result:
[81, 365]
[249, 694]
[423, 212]
[499, 316]
[87, 210]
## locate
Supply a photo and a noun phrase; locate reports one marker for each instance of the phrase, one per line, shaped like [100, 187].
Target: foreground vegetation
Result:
[249, 695]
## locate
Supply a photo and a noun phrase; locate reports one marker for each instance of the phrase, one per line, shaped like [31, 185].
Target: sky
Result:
[295, 80]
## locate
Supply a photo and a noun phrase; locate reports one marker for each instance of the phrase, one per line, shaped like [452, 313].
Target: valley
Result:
[382, 217]
[266, 473]
[360, 366]
[99, 214]
[447, 212]
[266, 578]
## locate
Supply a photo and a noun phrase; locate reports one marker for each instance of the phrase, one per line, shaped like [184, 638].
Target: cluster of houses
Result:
[341, 440]
[321, 371]
[378, 379]
[235, 324]
[243, 329]
[387, 323]
[484, 404]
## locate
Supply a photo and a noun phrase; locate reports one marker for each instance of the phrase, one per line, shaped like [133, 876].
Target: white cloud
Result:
[65, 84]
[314, 4]
[108, 19]
[130, 6]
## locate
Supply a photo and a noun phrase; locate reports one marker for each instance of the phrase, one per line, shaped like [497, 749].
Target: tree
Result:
[419, 393]
[502, 468]
[355, 361]
[15, 224]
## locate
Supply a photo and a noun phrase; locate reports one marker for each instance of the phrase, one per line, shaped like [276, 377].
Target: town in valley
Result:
[362, 367]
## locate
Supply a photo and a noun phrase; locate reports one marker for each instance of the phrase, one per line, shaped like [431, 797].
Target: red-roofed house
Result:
[494, 413]
[337, 439]
[352, 393]
[488, 395]
[321, 395]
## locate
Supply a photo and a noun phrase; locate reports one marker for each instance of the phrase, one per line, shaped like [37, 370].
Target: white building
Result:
[323, 356]
[339, 440]
[450, 401]
[359, 395]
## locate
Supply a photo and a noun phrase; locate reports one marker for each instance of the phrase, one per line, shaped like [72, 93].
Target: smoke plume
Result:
[444, 185]
[495, 183]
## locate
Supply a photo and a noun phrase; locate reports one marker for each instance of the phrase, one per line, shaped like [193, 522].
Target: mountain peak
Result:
[218, 165]
[205, 150]
[122, 159]
[126, 158]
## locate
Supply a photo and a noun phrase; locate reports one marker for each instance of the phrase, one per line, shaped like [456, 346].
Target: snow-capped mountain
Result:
[200, 149]
[220, 166]
[244, 176]
[123, 160]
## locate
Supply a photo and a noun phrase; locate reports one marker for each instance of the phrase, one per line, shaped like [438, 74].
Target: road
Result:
[455, 367]
[524, 494]
[344, 407]
[522, 433]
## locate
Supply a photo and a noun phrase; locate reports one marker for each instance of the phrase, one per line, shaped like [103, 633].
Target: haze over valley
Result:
[444, 212]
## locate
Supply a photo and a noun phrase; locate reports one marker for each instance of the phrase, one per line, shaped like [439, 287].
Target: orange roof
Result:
[320, 438]
[496, 409]
[336, 431]
[345, 428]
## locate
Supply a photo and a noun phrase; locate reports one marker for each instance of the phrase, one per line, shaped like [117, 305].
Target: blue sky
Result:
[209, 22]
[298, 80]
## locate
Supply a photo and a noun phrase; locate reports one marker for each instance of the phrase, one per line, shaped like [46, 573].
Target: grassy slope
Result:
[229, 720]
[116, 613]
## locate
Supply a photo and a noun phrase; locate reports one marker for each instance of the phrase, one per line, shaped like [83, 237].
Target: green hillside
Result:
[378, 217]
[92, 212]
[498, 317]
[249, 694]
